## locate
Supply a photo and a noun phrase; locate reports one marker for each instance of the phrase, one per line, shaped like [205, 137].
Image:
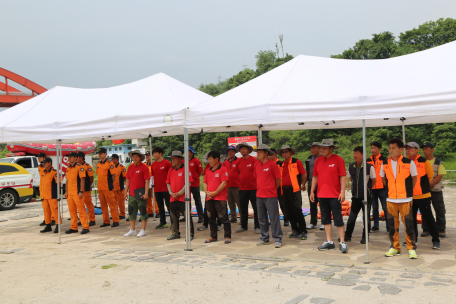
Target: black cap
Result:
[42, 155]
[427, 144]
[74, 154]
[81, 154]
[47, 160]
[115, 156]
[102, 150]
[147, 153]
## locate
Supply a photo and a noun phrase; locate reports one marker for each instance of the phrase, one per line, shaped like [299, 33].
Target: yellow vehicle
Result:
[16, 186]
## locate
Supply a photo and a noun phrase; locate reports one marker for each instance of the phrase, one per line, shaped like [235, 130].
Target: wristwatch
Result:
[81, 192]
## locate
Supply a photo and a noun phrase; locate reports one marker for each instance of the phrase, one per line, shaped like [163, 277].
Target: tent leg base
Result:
[367, 262]
[188, 249]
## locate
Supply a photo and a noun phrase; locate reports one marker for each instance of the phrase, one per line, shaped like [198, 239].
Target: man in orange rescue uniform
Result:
[399, 174]
[88, 182]
[150, 210]
[74, 194]
[48, 194]
[119, 184]
[106, 178]
[41, 158]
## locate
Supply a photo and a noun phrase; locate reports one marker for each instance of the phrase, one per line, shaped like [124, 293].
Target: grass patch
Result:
[108, 266]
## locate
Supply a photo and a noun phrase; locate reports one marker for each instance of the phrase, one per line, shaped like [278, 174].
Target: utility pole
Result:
[219, 77]
[277, 50]
[281, 39]
[245, 66]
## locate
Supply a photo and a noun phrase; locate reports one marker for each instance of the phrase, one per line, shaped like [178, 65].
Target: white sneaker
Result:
[311, 226]
[130, 233]
[322, 227]
[141, 233]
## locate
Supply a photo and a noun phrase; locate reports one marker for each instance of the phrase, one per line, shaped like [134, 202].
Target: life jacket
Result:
[377, 163]
[422, 185]
[293, 171]
[402, 185]
[439, 186]
[358, 180]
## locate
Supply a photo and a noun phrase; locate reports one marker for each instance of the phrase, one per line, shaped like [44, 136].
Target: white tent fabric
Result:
[133, 110]
[314, 93]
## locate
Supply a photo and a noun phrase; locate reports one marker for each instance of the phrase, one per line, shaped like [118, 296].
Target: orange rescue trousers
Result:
[107, 198]
[120, 198]
[89, 205]
[149, 206]
[51, 210]
[75, 206]
[397, 211]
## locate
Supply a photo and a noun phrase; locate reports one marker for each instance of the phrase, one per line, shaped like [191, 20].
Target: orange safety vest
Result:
[402, 185]
[293, 171]
[422, 185]
[377, 163]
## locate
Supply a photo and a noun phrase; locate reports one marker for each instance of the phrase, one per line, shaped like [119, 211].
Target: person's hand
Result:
[342, 197]
[312, 197]
[81, 195]
[66, 195]
[175, 195]
[126, 196]
[303, 187]
[145, 196]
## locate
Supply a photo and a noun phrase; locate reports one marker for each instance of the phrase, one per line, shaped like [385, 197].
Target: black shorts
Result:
[328, 205]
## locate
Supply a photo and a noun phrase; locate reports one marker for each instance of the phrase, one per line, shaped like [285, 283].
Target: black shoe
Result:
[436, 245]
[173, 237]
[150, 215]
[79, 224]
[128, 219]
[286, 223]
[70, 231]
[375, 228]
[47, 228]
[110, 217]
[140, 220]
[43, 223]
[56, 230]
[121, 217]
[157, 215]
[294, 234]
[182, 220]
[52, 223]
[115, 224]
[201, 220]
[161, 226]
[84, 231]
[91, 223]
[363, 241]
[105, 225]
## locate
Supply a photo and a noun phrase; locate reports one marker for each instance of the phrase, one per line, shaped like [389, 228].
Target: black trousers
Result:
[356, 206]
[313, 206]
[439, 208]
[197, 197]
[282, 204]
[206, 217]
[424, 205]
[244, 197]
[219, 210]
[176, 208]
[162, 199]
[293, 209]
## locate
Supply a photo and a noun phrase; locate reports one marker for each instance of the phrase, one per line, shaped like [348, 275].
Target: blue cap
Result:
[190, 148]
[427, 144]
[232, 147]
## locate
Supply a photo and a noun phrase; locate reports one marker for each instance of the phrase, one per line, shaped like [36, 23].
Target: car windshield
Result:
[7, 160]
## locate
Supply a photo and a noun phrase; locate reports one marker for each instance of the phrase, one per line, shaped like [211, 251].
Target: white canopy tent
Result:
[151, 106]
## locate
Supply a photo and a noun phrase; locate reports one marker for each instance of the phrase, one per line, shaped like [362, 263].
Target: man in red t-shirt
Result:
[233, 183]
[196, 169]
[176, 189]
[330, 176]
[137, 180]
[215, 181]
[293, 181]
[247, 186]
[159, 171]
[268, 178]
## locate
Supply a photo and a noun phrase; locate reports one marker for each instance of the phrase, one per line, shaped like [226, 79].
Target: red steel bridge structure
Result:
[10, 96]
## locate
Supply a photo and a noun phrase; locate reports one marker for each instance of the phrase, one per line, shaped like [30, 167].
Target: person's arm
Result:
[348, 184]
[429, 170]
[219, 189]
[413, 173]
[314, 186]
[414, 180]
[304, 178]
[91, 180]
[384, 181]
[66, 189]
[146, 195]
[436, 180]
[343, 180]
[127, 188]
[279, 181]
[81, 191]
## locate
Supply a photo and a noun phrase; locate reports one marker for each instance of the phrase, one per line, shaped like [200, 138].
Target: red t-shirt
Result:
[207, 167]
[176, 178]
[232, 172]
[246, 171]
[195, 168]
[159, 170]
[286, 181]
[137, 175]
[266, 175]
[329, 170]
[213, 179]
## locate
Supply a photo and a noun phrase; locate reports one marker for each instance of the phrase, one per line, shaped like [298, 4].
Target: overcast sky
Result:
[96, 43]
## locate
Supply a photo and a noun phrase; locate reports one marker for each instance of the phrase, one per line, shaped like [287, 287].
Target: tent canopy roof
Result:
[313, 92]
[132, 110]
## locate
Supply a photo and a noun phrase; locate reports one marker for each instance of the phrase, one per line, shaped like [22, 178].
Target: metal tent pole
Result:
[151, 188]
[403, 131]
[188, 204]
[365, 200]
[57, 150]
[260, 135]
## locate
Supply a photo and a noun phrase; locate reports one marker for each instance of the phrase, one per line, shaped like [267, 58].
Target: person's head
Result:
[136, 158]
[327, 147]
[358, 154]
[213, 158]
[115, 159]
[102, 153]
[72, 157]
[428, 150]
[191, 152]
[262, 155]
[176, 158]
[395, 147]
[47, 163]
[157, 153]
[412, 149]
[273, 155]
[286, 152]
[80, 157]
[326, 151]
[376, 148]
[315, 150]
[231, 151]
[41, 157]
[148, 156]
[244, 151]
